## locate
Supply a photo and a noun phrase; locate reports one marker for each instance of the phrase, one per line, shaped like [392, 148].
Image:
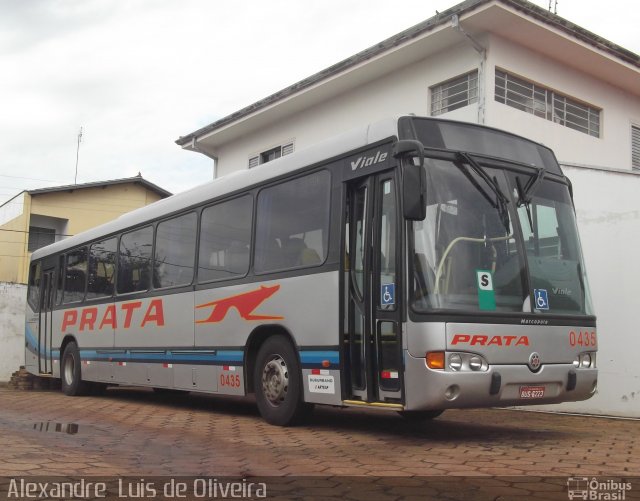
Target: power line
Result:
[31, 178]
[36, 232]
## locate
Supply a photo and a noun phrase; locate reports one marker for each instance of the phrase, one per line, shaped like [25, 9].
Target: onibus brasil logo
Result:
[594, 489]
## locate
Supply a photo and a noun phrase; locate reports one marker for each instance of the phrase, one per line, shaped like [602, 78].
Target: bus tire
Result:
[278, 383]
[71, 372]
[417, 416]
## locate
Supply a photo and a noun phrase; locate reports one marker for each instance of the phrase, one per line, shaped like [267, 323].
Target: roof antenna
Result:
[75, 179]
[555, 6]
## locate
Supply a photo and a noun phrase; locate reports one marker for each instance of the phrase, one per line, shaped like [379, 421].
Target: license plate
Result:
[531, 391]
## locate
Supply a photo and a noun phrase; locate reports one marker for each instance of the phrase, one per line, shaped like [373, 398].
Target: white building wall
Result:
[401, 92]
[609, 223]
[606, 202]
[620, 109]
[13, 301]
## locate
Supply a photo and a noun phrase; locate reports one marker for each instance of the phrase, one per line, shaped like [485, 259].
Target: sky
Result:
[136, 75]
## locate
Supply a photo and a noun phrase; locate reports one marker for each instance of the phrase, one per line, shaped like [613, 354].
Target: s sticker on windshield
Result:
[486, 294]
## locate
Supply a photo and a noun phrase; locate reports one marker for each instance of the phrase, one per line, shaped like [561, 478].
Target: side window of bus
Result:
[75, 275]
[60, 284]
[225, 240]
[33, 296]
[175, 251]
[134, 260]
[292, 229]
[102, 268]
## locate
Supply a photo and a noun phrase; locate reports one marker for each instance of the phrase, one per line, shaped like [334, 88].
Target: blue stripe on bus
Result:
[307, 357]
[228, 356]
[315, 358]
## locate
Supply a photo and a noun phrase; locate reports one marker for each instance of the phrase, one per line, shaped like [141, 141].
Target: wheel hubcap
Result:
[275, 380]
[68, 370]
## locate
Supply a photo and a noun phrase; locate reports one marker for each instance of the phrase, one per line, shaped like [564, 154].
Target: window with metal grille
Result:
[271, 154]
[635, 147]
[39, 237]
[546, 103]
[455, 93]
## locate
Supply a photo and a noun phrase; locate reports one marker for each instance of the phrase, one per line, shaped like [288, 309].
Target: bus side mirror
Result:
[414, 183]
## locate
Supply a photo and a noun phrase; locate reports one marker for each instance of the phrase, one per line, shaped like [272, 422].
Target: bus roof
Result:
[230, 183]
[235, 181]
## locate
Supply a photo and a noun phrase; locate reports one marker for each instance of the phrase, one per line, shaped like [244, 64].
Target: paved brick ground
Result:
[136, 432]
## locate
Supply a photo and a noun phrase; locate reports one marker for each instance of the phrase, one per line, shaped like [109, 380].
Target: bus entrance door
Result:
[45, 322]
[372, 290]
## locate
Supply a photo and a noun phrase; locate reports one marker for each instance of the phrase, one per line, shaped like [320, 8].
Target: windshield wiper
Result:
[525, 194]
[501, 200]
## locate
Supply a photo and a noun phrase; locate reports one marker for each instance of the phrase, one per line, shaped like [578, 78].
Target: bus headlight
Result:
[455, 362]
[465, 362]
[586, 360]
[475, 363]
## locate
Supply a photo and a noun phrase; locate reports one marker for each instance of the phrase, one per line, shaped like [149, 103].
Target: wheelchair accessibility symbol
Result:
[541, 299]
[388, 294]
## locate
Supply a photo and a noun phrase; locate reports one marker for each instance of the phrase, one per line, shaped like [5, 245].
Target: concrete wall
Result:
[400, 92]
[13, 300]
[15, 239]
[609, 222]
[606, 201]
[619, 108]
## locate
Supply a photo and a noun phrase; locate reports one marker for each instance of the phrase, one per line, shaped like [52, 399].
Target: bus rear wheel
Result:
[278, 383]
[71, 372]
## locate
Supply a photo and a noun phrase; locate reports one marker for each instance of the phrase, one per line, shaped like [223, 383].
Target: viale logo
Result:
[366, 161]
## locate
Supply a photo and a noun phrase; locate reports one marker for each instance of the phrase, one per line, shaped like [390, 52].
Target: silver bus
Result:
[412, 265]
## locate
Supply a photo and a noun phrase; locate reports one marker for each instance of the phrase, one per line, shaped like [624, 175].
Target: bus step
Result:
[377, 405]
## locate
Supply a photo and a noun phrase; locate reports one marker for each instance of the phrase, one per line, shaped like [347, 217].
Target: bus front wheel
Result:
[278, 383]
[71, 372]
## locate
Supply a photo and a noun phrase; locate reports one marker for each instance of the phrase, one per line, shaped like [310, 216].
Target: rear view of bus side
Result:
[413, 265]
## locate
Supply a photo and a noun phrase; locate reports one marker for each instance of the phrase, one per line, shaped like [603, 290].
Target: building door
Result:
[45, 320]
[372, 291]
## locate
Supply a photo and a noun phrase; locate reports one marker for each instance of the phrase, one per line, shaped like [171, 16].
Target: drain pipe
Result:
[195, 148]
[455, 24]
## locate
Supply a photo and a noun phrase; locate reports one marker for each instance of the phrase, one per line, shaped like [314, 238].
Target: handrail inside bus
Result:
[454, 242]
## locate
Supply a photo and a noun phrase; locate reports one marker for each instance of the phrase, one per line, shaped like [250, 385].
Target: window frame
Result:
[247, 193]
[115, 268]
[635, 147]
[544, 102]
[285, 148]
[197, 212]
[66, 255]
[438, 88]
[323, 259]
[48, 232]
[148, 224]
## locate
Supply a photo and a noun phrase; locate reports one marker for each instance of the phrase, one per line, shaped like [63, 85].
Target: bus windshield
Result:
[484, 230]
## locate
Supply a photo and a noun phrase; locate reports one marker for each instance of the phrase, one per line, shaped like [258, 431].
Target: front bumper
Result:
[497, 387]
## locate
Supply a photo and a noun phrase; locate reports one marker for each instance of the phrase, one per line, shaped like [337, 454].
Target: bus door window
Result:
[357, 339]
[389, 354]
[34, 286]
